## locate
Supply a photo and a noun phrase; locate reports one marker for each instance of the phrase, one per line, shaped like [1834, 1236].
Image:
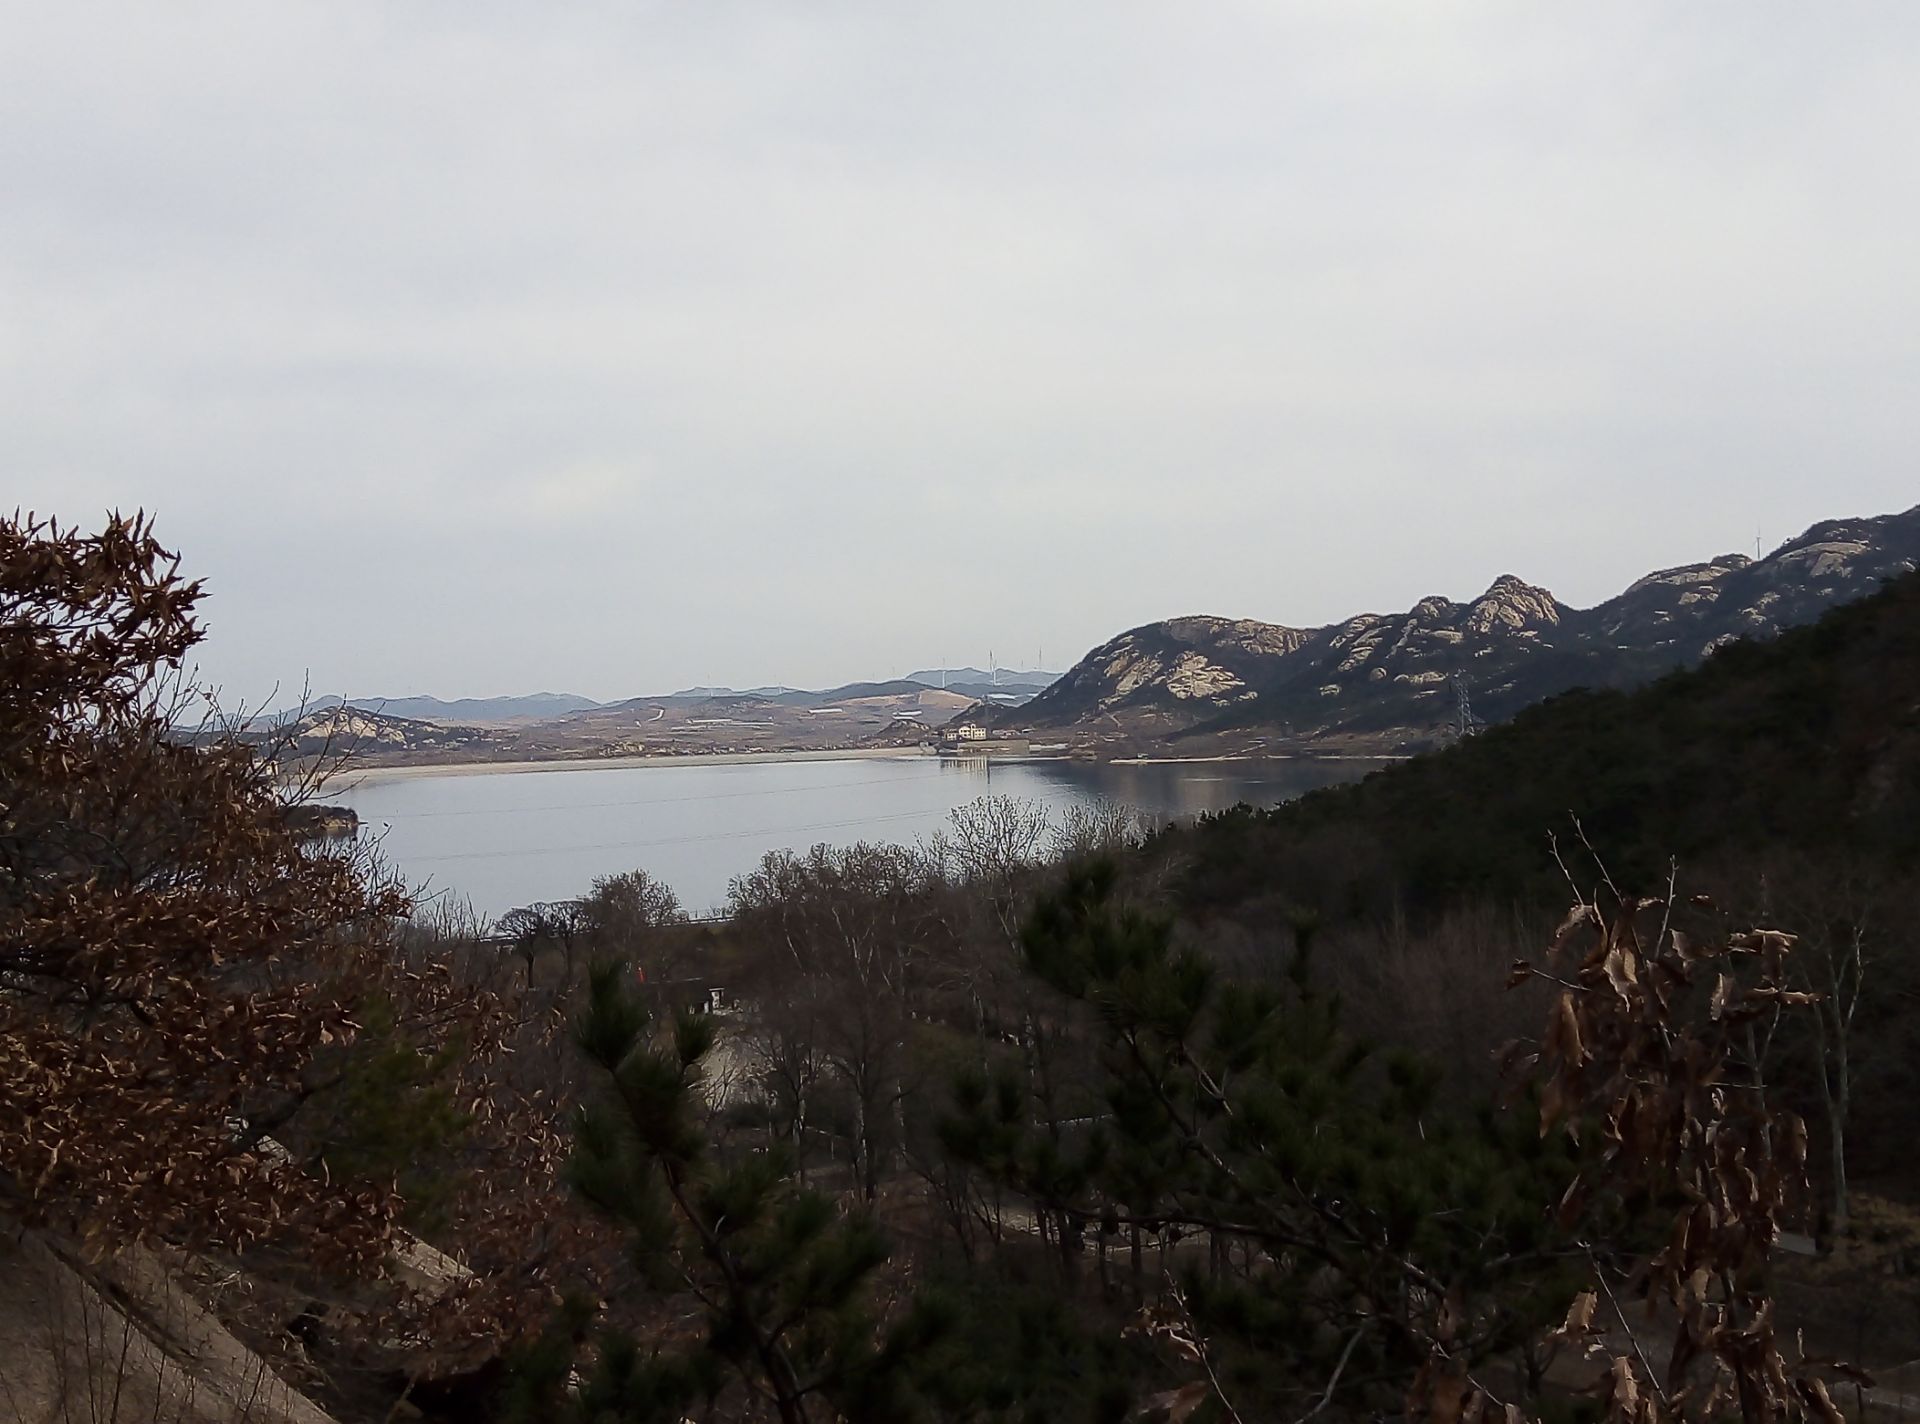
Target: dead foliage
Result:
[183, 975]
[1649, 1050]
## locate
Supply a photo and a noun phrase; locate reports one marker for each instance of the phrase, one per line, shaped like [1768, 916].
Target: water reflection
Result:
[500, 839]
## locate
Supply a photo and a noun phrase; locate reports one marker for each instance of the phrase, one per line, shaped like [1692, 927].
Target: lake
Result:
[497, 839]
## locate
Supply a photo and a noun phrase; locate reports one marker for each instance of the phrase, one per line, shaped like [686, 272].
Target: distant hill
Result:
[700, 693]
[1196, 680]
[898, 687]
[1007, 679]
[1011, 694]
[343, 728]
[1012, 689]
[535, 706]
[726, 698]
[468, 711]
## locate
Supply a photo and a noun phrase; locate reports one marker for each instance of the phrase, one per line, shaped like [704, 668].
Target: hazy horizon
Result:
[1057, 668]
[481, 350]
[284, 701]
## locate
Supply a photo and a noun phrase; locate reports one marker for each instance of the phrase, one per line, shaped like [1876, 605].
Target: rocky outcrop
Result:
[1698, 607]
[1399, 675]
[349, 729]
[123, 1341]
[462, 711]
[1187, 665]
[1514, 604]
[150, 1331]
[309, 822]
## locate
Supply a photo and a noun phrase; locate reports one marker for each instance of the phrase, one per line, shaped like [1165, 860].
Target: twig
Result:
[1340, 1368]
[1596, 859]
[1200, 1350]
[1666, 917]
[1600, 1275]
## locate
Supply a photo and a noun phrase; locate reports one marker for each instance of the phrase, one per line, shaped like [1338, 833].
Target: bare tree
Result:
[1090, 828]
[841, 940]
[640, 921]
[546, 925]
[994, 843]
[632, 904]
[1841, 911]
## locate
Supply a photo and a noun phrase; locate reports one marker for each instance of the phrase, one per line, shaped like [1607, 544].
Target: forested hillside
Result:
[1808, 744]
[1781, 777]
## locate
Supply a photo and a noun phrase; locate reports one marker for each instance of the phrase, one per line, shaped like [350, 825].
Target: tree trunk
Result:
[1838, 1113]
[1835, 1090]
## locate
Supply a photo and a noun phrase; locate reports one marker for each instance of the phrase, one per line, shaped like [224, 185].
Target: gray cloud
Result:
[478, 348]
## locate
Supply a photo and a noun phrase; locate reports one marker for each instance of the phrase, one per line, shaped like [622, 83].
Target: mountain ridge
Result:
[1407, 678]
[465, 711]
[1014, 678]
[1006, 685]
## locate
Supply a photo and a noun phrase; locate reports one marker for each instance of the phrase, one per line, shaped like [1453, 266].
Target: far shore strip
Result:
[362, 775]
[350, 776]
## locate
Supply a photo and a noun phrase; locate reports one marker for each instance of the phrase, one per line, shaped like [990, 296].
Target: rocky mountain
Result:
[1402, 678]
[344, 728]
[465, 711]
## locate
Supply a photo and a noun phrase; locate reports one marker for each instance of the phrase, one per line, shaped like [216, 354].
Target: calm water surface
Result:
[501, 839]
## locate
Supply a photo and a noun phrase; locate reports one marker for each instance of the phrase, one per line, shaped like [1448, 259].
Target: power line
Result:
[523, 851]
[656, 801]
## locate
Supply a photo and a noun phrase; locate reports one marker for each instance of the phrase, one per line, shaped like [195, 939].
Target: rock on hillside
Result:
[1205, 672]
[1394, 676]
[466, 711]
[354, 729]
[124, 1340]
[1700, 606]
[1168, 672]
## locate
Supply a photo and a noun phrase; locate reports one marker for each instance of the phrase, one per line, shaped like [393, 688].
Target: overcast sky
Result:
[476, 348]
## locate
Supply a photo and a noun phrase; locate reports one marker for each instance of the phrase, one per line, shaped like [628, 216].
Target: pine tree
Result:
[786, 1278]
[1346, 1214]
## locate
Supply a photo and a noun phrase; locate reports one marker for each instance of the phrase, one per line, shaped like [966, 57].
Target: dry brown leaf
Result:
[1579, 1319]
[1565, 1034]
[1175, 1406]
[1819, 1402]
[1723, 990]
[1621, 973]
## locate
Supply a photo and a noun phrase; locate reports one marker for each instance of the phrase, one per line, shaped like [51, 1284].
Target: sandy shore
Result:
[372, 775]
[1258, 756]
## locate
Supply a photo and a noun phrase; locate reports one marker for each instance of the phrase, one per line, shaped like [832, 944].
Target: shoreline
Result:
[1258, 756]
[351, 776]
